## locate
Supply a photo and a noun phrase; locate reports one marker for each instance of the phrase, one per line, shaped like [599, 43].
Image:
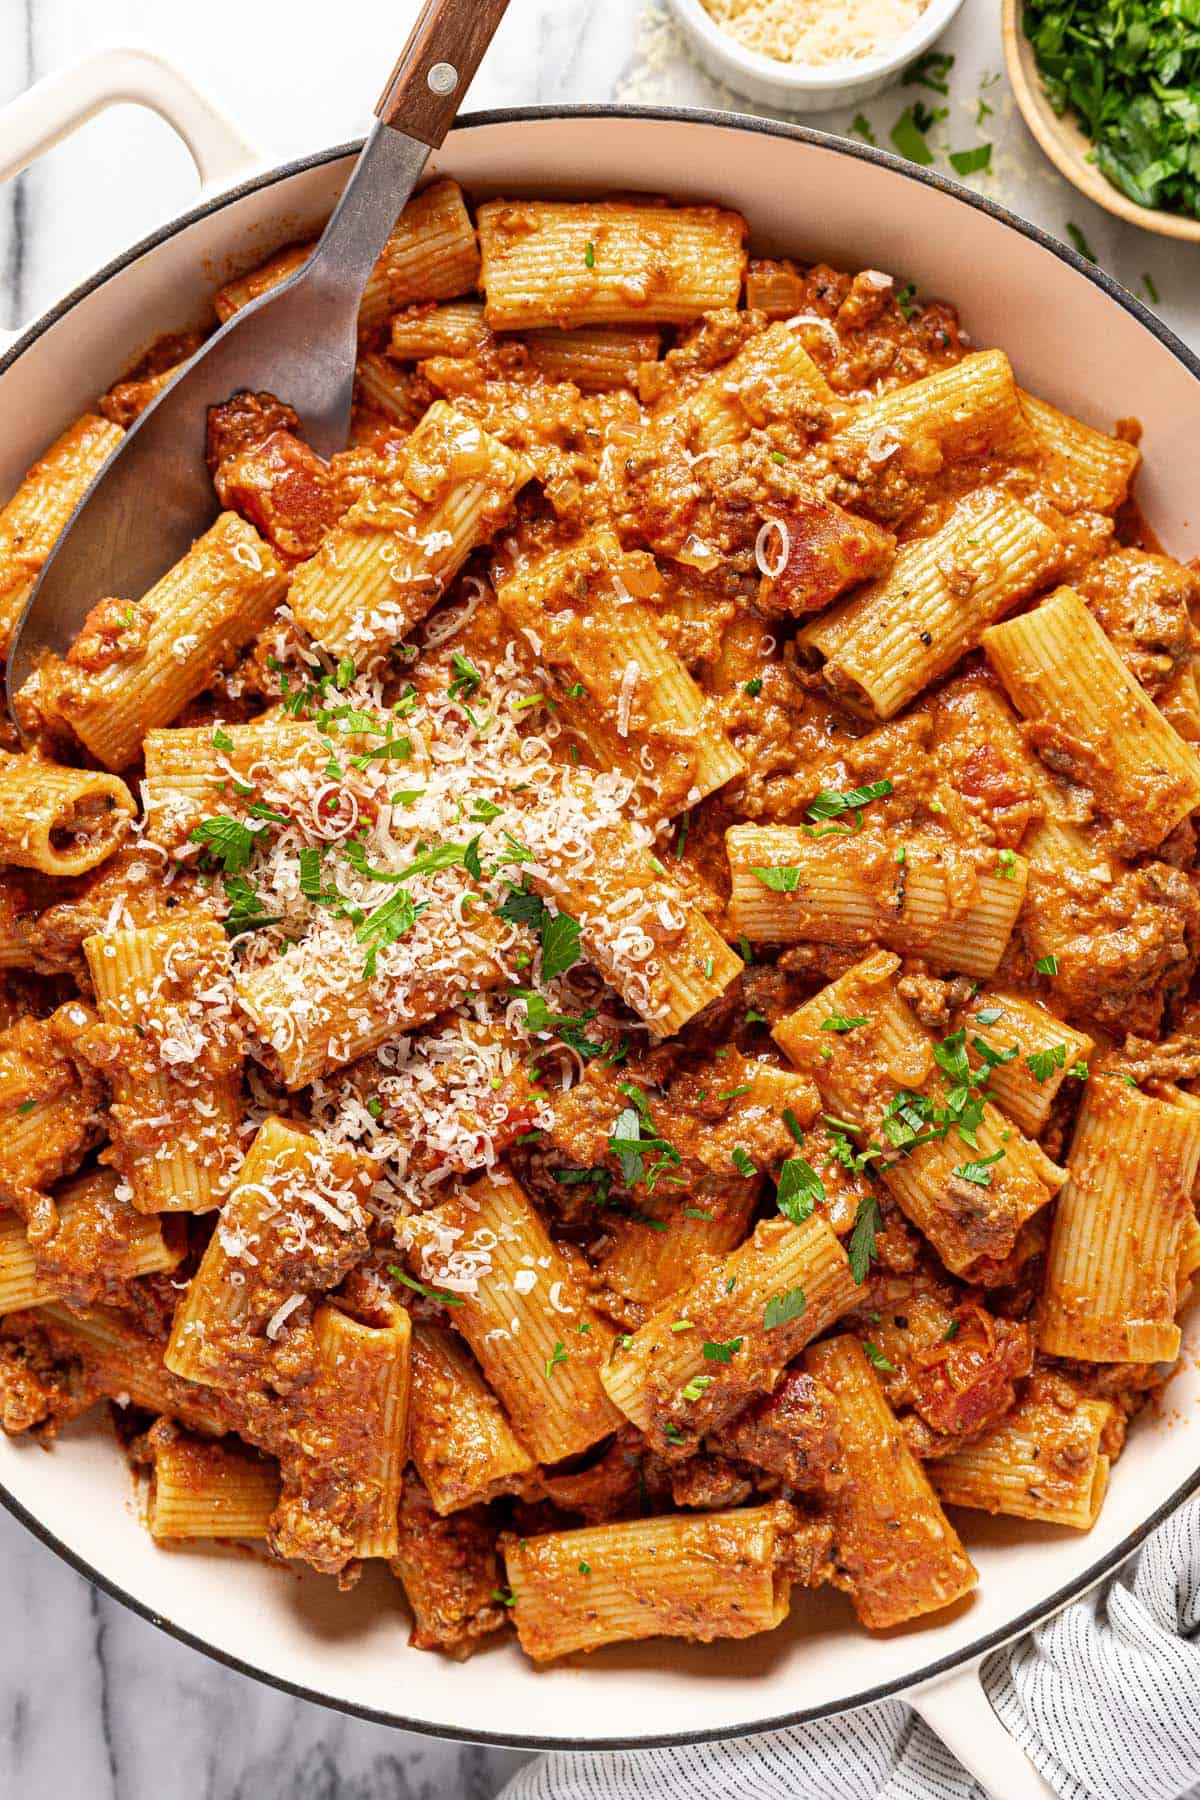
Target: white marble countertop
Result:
[93, 1701]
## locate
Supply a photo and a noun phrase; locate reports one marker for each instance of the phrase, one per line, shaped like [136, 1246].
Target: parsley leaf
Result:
[780, 881]
[800, 1189]
[782, 1309]
[868, 1223]
[722, 1353]
[1042, 1063]
[876, 1357]
[839, 1022]
[225, 841]
[979, 1173]
[829, 804]
[418, 1287]
[930, 71]
[972, 162]
[560, 935]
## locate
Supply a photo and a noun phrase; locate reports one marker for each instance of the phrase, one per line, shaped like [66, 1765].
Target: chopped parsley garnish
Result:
[696, 1386]
[1129, 1080]
[696, 1212]
[906, 300]
[1006, 864]
[385, 926]
[673, 1434]
[800, 1189]
[829, 804]
[742, 1161]
[684, 1325]
[722, 1353]
[246, 910]
[505, 1596]
[1079, 1070]
[346, 672]
[685, 825]
[988, 1015]
[221, 740]
[418, 1287]
[26, 1106]
[559, 932]
[840, 1023]
[1042, 1063]
[467, 678]
[585, 1568]
[782, 1309]
[753, 686]
[784, 880]
[589, 255]
[559, 1354]
[634, 1137]
[952, 1331]
[876, 1357]
[868, 1223]
[793, 1124]
[1047, 965]
[560, 935]
[225, 841]
[979, 1173]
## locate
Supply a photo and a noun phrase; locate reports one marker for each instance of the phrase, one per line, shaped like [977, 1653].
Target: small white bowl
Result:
[806, 87]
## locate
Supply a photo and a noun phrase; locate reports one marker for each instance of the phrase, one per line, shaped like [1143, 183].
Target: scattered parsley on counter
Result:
[972, 162]
[930, 71]
[1080, 242]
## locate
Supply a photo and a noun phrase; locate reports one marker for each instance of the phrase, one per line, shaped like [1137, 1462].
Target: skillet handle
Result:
[122, 73]
[437, 65]
[957, 1710]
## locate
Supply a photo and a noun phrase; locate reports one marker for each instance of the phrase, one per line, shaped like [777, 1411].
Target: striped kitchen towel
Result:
[1104, 1699]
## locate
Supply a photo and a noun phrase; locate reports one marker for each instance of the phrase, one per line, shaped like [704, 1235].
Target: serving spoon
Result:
[299, 341]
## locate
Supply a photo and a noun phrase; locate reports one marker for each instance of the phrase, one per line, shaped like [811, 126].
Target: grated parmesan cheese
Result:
[813, 32]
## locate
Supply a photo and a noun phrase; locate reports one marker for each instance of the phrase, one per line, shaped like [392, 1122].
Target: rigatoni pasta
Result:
[1114, 1253]
[605, 906]
[1061, 671]
[606, 264]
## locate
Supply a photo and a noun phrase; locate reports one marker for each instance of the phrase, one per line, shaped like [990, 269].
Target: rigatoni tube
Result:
[59, 821]
[895, 636]
[762, 1303]
[703, 1576]
[1094, 719]
[524, 1313]
[1110, 1293]
[1044, 1461]
[607, 262]
[953, 904]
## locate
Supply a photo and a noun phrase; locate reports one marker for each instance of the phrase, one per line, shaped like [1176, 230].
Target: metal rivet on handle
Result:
[442, 78]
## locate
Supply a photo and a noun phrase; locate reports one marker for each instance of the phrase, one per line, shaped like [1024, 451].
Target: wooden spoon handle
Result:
[437, 65]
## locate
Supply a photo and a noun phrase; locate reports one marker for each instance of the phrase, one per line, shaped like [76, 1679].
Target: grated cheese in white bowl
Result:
[812, 31]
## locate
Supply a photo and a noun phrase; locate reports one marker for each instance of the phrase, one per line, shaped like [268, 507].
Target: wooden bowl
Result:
[1066, 145]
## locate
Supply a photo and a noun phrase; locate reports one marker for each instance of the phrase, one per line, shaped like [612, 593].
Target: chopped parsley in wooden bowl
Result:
[1111, 91]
